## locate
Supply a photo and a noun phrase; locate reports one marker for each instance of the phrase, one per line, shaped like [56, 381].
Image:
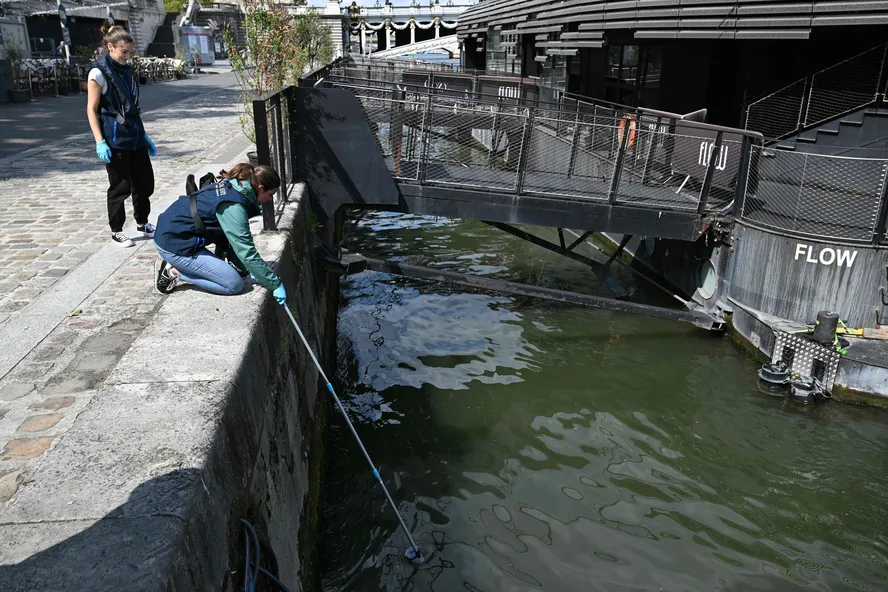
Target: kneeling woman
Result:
[217, 214]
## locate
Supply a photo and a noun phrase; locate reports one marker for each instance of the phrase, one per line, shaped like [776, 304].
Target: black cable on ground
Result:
[252, 569]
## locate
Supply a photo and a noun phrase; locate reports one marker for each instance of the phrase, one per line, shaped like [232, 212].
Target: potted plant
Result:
[278, 48]
[13, 72]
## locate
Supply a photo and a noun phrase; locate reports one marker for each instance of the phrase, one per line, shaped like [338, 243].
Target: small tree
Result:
[278, 48]
[174, 5]
[313, 38]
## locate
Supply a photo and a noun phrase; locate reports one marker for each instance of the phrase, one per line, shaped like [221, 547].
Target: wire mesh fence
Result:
[779, 113]
[459, 153]
[832, 197]
[839, 89]
[845, 86]
[439, 138]
[580, 167]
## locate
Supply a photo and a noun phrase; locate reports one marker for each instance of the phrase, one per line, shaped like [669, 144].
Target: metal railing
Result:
[842, 88]
[274, 121]
[493, 133]
[813, 195]
[515, 144]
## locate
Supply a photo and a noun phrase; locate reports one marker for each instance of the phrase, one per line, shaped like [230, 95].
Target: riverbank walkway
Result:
[72, 304]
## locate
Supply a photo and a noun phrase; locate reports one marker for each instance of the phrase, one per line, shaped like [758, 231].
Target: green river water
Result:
[536, 446]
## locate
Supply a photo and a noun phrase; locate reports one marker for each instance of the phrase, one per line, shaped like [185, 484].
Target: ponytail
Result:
[114, 34]
[260, 175]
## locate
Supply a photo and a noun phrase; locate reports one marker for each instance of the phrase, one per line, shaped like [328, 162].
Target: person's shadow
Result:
[134, 547]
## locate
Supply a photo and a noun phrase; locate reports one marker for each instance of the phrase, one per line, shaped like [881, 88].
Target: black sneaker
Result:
[122, 239]
[147, 228]
[164, 282]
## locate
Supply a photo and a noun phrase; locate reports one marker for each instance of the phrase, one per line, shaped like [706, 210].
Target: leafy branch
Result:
[279, 46]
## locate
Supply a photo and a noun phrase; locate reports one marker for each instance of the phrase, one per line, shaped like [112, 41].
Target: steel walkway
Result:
[500, 149]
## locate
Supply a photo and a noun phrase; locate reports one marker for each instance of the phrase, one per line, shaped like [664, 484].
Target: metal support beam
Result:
[623, 243]
[618, 169]
[597, 268]
[263, 153]
[574, 244]
[574, 142]
[695, 317]
[743, 175]
[526, 136]
[541, 242]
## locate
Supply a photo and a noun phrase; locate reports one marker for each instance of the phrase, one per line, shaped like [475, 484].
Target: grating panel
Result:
[804, 355]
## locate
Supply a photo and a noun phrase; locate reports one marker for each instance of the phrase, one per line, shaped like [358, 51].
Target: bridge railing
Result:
[439, 129]
[515, 144]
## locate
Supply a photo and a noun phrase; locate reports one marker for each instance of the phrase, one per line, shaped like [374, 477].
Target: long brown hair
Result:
[260, 175]
[114, 34]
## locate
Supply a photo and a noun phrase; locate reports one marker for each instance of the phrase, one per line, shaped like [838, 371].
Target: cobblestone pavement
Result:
[52, 219]
[53, 212]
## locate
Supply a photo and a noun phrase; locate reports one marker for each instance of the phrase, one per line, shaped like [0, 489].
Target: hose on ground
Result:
[252, 568]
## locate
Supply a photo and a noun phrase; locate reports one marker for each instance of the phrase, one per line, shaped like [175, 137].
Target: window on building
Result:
[632, 75]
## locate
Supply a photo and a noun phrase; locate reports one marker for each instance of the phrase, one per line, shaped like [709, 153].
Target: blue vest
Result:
[176, 231]
[119, 107]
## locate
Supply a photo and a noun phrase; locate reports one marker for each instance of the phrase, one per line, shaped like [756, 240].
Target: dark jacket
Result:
[176, 231]
[119, 109]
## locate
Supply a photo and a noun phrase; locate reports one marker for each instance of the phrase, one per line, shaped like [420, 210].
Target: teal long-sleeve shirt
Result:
[235, 222]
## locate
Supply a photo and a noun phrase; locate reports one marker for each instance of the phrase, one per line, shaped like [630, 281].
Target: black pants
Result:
[129, 173]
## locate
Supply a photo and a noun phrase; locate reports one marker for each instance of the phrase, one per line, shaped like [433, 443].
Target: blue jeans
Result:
[206, 271]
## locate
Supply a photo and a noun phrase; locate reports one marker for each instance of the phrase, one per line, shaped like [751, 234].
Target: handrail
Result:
[594, 102]
[810, 101]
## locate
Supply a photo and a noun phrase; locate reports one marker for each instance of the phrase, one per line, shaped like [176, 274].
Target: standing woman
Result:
[112, 107]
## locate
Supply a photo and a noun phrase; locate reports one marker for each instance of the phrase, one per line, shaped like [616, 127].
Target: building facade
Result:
[667, 54]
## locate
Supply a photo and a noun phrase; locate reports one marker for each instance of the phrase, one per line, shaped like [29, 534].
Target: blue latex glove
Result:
[152, 149]
[253, 277]
[280, 294]
[103, 151]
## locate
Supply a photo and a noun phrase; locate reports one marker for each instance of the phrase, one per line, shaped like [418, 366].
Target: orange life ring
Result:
[631, 121]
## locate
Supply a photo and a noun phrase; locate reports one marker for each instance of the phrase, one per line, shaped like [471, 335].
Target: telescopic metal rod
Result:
[414, 547]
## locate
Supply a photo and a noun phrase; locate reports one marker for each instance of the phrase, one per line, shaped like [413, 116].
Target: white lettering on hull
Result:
[826, 255]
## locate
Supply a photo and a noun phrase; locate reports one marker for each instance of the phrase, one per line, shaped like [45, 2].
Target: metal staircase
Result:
[863, 133]
[835, 111]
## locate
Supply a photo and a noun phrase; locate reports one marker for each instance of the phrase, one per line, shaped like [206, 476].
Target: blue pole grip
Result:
[329, 387]
[375, 474]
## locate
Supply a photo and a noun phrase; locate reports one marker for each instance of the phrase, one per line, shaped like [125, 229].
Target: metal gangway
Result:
[506, 135]
[439, 140]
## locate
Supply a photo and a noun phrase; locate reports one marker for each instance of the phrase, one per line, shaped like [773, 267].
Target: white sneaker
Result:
[122, 239]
